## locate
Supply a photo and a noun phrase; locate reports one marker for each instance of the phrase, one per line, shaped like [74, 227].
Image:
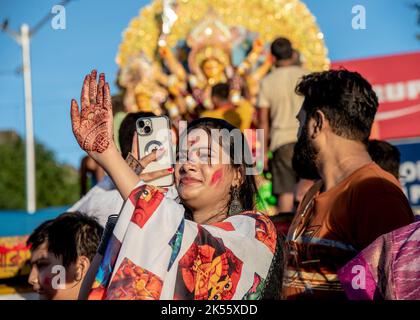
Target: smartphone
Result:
[153, 133]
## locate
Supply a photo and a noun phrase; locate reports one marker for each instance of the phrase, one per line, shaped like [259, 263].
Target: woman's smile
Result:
[187, 180]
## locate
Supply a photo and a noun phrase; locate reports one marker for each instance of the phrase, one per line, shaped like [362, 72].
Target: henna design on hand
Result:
[92, 127]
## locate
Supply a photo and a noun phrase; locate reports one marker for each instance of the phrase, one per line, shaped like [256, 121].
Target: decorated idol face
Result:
[212, 68]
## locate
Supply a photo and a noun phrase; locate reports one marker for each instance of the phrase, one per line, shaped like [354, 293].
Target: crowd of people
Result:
[343, 230]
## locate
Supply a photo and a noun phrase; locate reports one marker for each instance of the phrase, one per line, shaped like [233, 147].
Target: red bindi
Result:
[194, 141]
[217, 176]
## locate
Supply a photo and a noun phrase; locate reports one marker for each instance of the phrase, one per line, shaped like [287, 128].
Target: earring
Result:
[235, 206]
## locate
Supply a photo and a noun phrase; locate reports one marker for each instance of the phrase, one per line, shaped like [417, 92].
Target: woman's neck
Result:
[209, 215]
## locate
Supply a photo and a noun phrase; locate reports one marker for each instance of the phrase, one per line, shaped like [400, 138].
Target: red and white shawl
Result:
[155, 253]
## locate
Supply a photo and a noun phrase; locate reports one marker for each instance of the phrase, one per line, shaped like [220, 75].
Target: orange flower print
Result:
[132, 282]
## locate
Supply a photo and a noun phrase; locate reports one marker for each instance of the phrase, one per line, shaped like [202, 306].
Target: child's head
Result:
[61, 252]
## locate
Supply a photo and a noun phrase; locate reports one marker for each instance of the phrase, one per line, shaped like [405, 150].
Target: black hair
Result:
[127, 129]
[70, 235]
[248, 190]
[39, 235]
[346, 98]
[221, 91]
[386, 155]
[281, 49]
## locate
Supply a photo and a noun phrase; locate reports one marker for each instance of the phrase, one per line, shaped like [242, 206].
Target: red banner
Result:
[396, 80]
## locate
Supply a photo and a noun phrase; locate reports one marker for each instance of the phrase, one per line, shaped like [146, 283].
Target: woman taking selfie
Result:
[211, 244]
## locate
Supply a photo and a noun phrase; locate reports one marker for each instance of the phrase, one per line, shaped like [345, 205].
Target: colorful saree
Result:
[389, 268]
[155, 253]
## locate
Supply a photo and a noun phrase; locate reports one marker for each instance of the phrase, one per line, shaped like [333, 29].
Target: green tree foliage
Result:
[56, 184]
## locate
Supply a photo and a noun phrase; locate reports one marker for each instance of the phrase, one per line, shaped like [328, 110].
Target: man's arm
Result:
[264, 123]
[263, 107]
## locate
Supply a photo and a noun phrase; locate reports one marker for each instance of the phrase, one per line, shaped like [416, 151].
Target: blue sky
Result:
[60, 58]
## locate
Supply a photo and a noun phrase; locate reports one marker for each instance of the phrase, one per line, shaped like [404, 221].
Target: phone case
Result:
[159, 136]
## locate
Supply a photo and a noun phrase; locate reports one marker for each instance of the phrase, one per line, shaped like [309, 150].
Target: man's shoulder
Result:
[298, 70]
[284, 74]
[373, 178]
[381, 190]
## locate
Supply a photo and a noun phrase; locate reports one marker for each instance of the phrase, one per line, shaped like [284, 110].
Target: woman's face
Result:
[203, 180]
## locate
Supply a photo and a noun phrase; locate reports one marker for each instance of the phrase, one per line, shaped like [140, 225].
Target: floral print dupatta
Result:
[155, 253]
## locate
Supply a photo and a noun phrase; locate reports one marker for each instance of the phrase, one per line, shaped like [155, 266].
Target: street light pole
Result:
[23, 39]
[29, 143]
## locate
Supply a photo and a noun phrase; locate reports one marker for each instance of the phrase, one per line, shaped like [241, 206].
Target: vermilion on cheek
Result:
[217, 176]
[46, 282]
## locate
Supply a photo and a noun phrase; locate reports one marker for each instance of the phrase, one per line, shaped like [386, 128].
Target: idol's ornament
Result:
[175, 51]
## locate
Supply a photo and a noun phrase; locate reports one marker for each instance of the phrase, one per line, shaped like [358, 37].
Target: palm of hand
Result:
[92, 127]
[92, 134]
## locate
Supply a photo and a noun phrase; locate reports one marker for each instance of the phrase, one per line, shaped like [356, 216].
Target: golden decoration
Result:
[268, 18]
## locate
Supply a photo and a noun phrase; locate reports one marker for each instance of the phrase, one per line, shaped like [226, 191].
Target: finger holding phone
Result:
[155, 155]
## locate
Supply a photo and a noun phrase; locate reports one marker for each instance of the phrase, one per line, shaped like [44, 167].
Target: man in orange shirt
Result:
[354, 201]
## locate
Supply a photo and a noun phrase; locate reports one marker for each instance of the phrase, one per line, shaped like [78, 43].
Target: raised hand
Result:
[92, 126]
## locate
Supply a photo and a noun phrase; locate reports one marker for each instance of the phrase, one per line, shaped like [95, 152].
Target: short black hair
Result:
[39, 235]
[221, 90]
[385, 155]
[70, 235]
[281, 49]
[127, 129]
[346, 98]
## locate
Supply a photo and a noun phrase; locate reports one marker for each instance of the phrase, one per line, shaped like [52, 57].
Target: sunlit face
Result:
[212, 68]
[42, 276]
[203, 180]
